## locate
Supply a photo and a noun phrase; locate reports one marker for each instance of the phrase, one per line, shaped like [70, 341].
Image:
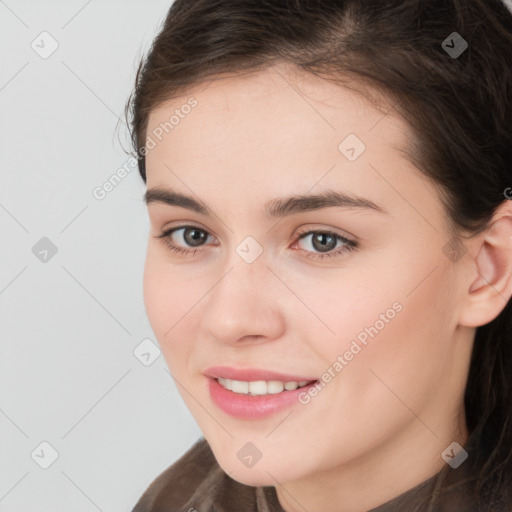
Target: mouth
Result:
[254, 375]
[247, 393]
[261, 387]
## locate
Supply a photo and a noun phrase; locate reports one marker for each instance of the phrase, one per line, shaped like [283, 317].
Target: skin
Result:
[383, 421]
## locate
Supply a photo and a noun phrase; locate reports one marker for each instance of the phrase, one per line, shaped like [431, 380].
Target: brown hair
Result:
[459, 110]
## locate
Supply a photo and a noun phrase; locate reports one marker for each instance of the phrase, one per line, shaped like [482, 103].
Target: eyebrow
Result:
[275, 208]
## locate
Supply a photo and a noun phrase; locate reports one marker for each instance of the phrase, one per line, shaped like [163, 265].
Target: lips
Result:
[254, 374]
[253, 407]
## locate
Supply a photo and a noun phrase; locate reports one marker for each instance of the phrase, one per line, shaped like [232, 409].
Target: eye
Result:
[190, 236]
[326, 243]
[186, 240]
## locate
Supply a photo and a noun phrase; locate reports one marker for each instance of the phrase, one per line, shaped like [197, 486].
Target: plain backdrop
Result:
[71, 321]
[89, 414]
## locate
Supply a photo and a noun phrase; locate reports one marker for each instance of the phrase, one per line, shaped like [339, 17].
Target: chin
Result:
[253, 477]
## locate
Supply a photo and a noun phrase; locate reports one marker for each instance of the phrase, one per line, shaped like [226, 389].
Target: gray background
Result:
[70, 324]
[71, 321]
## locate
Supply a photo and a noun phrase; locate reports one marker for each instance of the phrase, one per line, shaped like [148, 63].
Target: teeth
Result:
[238, 386]
[259, 387]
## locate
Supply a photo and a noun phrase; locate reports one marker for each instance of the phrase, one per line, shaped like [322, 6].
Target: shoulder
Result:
[196, 483]
[175, 486]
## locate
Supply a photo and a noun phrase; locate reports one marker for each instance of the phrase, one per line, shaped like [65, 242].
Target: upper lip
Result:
[252, 374]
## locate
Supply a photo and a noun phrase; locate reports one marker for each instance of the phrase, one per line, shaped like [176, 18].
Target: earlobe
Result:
[491, 289]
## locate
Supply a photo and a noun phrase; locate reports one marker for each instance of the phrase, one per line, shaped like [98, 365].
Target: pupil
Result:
[323, 239]
[196, 236]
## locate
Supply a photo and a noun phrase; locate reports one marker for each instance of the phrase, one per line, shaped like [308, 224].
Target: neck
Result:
[407, 459]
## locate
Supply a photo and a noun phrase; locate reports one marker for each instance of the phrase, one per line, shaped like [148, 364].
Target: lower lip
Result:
[252, 406]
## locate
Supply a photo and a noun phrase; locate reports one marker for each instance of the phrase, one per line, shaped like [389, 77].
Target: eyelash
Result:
[349, 246]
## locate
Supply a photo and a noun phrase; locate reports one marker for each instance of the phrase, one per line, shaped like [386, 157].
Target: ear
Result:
[490, 259]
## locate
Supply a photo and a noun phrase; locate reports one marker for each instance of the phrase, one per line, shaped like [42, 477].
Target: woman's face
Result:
[360, 296]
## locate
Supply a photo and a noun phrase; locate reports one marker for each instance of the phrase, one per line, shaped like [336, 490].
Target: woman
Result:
[329, 263]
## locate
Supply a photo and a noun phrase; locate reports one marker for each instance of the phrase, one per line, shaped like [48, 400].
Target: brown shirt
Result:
[196, 483]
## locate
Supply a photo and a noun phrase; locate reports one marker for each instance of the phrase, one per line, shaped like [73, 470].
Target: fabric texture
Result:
[196, 483]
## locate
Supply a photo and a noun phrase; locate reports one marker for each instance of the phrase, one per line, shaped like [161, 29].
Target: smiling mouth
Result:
[261, 387]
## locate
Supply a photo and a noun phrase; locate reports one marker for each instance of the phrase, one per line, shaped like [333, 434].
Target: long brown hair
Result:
[458, 109]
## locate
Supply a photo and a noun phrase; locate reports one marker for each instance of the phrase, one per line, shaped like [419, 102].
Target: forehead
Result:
[278, 96]
[267, 113]
[253, 137]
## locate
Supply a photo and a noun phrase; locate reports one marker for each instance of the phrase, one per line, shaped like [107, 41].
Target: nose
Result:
[244, 305]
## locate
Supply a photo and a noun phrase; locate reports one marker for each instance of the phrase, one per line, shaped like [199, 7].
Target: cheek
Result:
[359, 323]
[403, 359]
[173, 305]
[167, 296]
[385, 318]
[338, 304]
[155, 286]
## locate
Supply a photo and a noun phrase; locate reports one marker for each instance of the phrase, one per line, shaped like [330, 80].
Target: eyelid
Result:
[327, 229]
[349, 243]
[168, 229]
[175, 225]
[348, 246]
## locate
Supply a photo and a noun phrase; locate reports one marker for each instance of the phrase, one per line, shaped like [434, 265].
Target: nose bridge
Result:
[242, 286]
[241, 303]
[246, 267]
